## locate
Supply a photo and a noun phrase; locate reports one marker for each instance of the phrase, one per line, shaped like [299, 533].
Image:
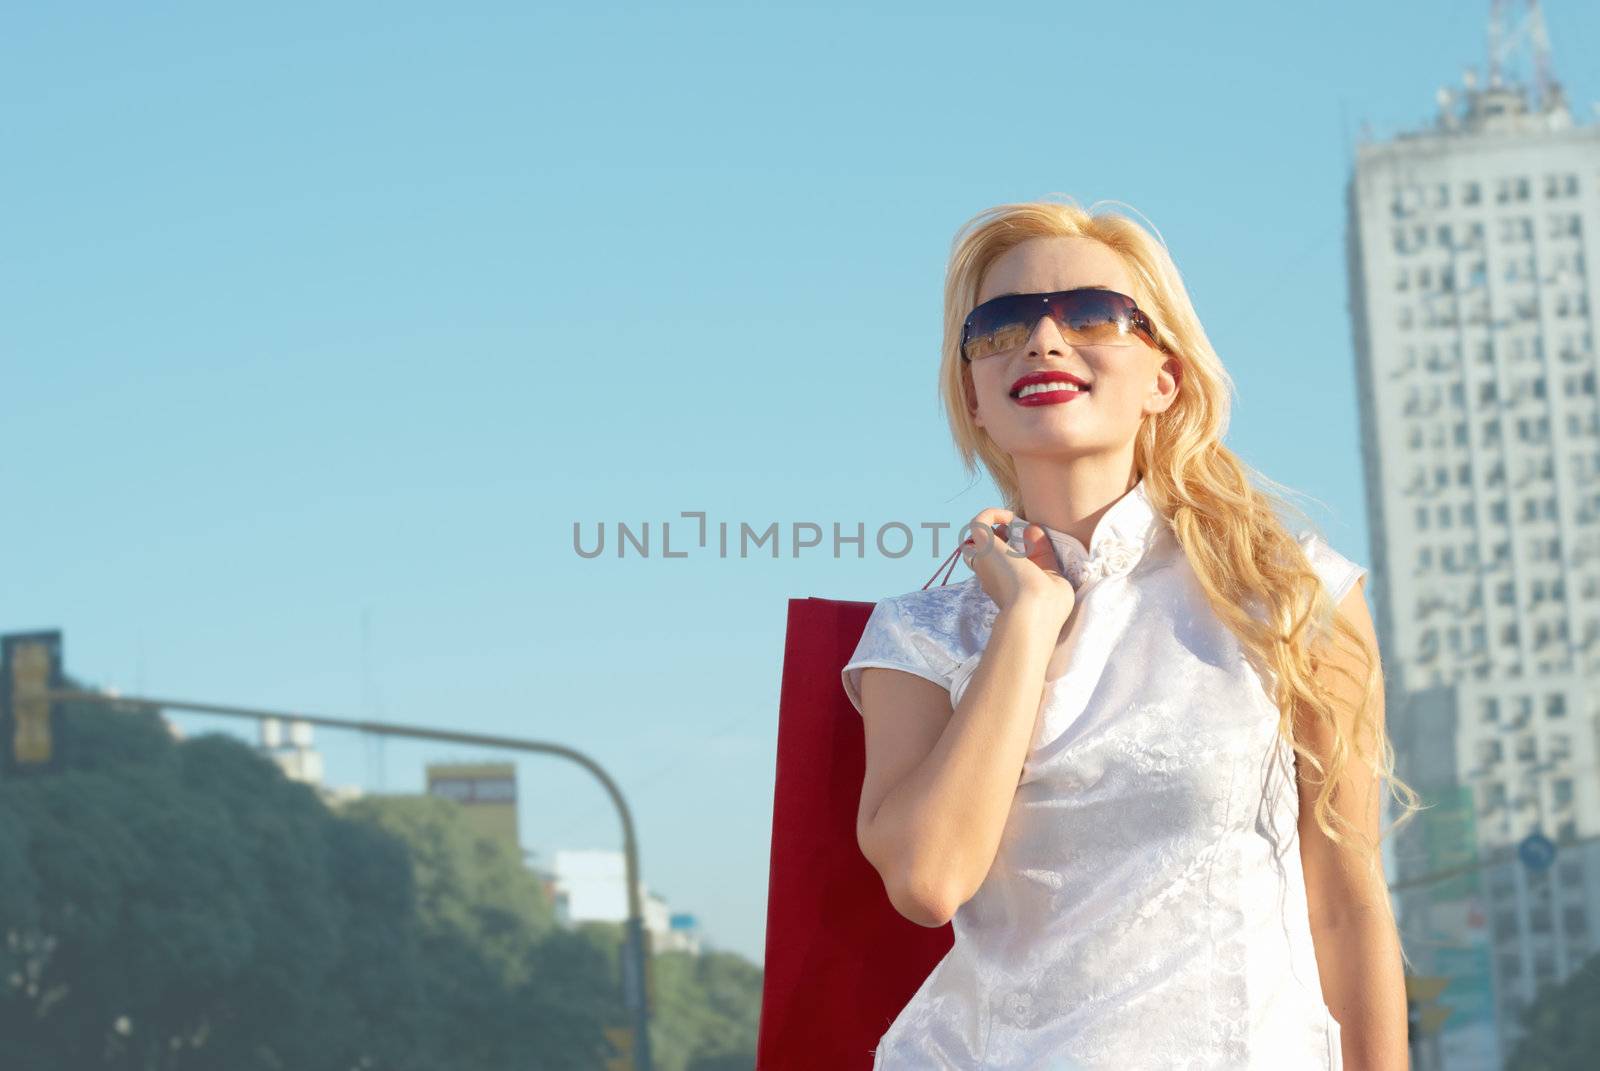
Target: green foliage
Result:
[465, 884]
[1562, 1030]
[189, 907]
[706, 1013]
[182, 905]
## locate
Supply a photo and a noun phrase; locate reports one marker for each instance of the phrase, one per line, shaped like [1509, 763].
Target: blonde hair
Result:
[1238, 548]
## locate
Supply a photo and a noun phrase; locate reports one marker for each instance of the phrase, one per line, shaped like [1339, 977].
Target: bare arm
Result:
[936, 827]
[940, 782]
[1352, 926]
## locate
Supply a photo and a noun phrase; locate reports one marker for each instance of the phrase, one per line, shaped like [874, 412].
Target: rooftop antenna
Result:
[1529, 30]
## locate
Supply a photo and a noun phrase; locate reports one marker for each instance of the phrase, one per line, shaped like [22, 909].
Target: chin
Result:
[1036, 445]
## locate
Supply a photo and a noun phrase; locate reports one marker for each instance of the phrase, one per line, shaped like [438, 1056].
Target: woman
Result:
[1135, 758]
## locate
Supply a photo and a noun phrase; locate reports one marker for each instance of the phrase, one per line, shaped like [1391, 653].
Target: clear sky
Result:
[321, 315]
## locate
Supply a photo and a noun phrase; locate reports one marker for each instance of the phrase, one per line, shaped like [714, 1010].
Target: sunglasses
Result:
[1087, 316]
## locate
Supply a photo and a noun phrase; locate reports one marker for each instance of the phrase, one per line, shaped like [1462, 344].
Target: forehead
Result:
[1042, 265]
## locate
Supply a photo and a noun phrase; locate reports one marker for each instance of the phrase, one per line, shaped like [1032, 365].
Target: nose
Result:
[1046, 338]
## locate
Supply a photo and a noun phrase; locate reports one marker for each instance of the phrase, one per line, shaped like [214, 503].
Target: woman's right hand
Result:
[1032, 579]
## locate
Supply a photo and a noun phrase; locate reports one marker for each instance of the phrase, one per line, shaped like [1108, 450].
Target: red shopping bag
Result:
[841, 962]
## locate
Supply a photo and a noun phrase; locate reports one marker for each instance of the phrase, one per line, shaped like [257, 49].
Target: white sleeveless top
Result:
[1146, 907]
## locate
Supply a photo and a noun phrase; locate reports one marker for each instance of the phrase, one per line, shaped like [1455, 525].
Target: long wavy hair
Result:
[1255, 574]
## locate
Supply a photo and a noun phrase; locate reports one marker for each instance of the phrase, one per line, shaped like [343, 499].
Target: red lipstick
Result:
[1057, 388]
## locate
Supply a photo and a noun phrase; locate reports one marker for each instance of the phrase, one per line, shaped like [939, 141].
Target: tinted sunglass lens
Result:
[1085, 318]
[1094, 318]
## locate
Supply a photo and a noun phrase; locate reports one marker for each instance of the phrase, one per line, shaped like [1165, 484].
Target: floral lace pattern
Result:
[1112, 558]
[1146, 906]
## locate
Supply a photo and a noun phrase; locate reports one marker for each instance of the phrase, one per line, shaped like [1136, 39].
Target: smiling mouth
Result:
[1047, 387]
[1036, 394]
[1054, 386]
[1042, 381]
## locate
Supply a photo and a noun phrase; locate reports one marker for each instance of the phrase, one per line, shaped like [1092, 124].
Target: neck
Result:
[1071, 497]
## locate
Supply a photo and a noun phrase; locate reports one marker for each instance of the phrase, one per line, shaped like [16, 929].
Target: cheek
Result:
[991, 394]
[1121, 386]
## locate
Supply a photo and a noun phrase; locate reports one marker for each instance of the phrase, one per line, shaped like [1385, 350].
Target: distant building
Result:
[293, 751]
[591, 885]
[337, 795]
[487, 792]
[1472, 309]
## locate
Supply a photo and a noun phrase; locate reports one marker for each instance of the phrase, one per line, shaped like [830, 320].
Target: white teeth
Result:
[1037, 388]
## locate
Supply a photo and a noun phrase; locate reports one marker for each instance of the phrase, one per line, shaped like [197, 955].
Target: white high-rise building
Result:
[1472, 308]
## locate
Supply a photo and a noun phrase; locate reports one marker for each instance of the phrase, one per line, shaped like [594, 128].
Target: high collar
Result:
[1120, 538]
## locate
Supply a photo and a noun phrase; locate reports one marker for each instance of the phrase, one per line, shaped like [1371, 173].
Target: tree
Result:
[182, 906]
[1561, 1030]
[503, 986]
[172, 905]
[185, 906]
[708, 1007]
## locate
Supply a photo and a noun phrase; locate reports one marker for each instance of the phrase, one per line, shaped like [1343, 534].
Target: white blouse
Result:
[1146, 907]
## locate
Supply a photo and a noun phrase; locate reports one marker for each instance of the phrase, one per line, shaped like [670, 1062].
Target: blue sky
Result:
[319, 315]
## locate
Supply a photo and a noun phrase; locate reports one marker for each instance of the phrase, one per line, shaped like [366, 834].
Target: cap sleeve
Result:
[1339, 574]
[893, 639]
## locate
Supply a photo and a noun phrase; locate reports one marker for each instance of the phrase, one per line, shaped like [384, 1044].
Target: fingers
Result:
[990, 530]
[981, 527]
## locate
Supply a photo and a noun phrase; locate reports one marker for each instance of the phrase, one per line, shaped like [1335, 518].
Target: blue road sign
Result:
[1536, 851]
